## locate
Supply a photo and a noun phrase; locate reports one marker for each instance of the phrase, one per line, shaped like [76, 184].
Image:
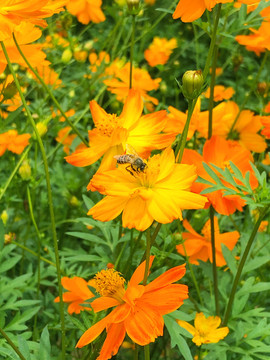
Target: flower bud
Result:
[262, 88]
[4, 217]
[74, 201]
[133, 6]
[25, 170]
[192, 83]
[66, 56]
[41, 128]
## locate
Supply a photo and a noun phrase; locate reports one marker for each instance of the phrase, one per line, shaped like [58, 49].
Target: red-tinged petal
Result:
[89, 155]
[99, 115]
[136, 215]
[115, 336]
[94, 331]
[170, 276]
[133, 292]
[132, 109]
[144, 325]
[167, 299]
[104, 303]
[189, 228]
[193, 245]
[138, 274]
[108, 208]
[189, 13]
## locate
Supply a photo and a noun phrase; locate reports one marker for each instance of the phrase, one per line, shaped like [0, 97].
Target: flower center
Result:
[109, 283]
[234, 135]
[107, 124]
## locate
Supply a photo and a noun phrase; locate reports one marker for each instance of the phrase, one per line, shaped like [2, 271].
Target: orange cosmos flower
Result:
[245, 130]
[189, 13]
[86, 10]
[112, 133]
[78, 293]
[259, 41]
[220, 93]
[141, 81]
[14, 12]
[205, 330]
[159, 51]
[49, 76]
[198, 247]
[158, 193]
[65, 139]
[265, 120]
[220, 152]
[139, 309]
[102, 59]
[58, 114]
[13, 142]
[25, 34]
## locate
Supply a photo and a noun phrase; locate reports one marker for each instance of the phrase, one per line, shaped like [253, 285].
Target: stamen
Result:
[109, 283]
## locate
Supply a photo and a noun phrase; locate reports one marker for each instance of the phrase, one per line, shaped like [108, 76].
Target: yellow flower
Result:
[205, 330]
[157, 193]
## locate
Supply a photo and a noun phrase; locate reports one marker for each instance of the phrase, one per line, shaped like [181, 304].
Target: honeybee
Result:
[135, 162]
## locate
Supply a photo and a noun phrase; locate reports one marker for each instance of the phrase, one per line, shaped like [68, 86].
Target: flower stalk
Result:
[132, 48]
[49, 192]
[241, 265]
[11, 343]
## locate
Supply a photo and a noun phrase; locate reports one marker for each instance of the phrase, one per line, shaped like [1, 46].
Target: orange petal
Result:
[115, 336]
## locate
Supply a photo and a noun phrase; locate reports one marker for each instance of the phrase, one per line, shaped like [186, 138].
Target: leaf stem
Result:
[241, 265]
[11, 343]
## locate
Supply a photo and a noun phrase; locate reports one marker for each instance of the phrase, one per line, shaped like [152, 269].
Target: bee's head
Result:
[143, 166]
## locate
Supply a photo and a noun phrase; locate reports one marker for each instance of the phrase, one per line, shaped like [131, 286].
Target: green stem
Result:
[49, 191]
[213, 42]
[136, 352]
[147, 352]
[190, 267]
[214, 264]
[11, 343]
[182, 142]
[241, 265]
[243, 103]
[32, 253]
[38, 252]
[147, 255]
[132, 50]
[49, 92]
[14, 171]
[212, 87]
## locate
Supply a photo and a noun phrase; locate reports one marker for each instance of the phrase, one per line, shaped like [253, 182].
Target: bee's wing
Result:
[130, 150]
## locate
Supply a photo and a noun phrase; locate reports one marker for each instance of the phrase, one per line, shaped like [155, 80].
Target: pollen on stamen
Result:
[108, 124]
[109, 283]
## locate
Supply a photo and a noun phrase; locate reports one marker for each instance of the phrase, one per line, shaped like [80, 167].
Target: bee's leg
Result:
[134, 169]
[128, 169]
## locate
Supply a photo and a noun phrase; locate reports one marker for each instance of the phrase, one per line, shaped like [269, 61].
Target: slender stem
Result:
[50, 202]
[14, 171]
[147, 352]
[182, 142]
[243, 103]
[213, 42]
[38, 252]
[32, 253]
[211, 209]
[49, 92]
[132, 50]
[11, 343]
[241, 265]
[212, 87]
[136, 352]
[147, 255]
[214, 264]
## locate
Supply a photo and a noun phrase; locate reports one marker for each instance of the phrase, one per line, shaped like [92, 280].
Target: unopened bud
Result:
[25, 170]
[74, 201]
[133, 6]
[80, 55]
[41, 128]
[262, 88]
[4, 217]
[66, 56]
[192, 83]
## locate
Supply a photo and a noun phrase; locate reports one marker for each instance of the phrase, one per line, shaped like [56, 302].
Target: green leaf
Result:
[255, 263]
[89, 237]
[230, 259]
[176, 339]
[2, 234]
[45, 345]
[10, 353]
[23, 347]
[9, 263]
